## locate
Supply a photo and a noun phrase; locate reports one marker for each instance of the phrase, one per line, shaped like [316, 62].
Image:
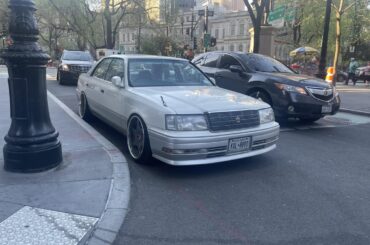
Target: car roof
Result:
[143, 56]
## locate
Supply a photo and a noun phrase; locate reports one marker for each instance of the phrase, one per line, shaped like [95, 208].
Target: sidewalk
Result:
[355, 99]
[84, 200]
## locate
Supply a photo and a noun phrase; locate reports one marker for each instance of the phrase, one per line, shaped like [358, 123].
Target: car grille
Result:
[232, 120]
[79, 68]
[325, 94]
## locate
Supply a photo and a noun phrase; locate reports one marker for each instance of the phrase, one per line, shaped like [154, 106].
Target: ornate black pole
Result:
[32, 143]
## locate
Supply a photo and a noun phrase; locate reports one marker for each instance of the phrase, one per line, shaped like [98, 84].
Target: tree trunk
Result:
[108, 22]
[256, 39]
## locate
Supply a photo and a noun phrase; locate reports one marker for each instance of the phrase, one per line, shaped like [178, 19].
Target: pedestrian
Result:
[353, 65]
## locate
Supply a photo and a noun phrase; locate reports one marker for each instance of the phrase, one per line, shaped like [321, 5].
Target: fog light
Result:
[291, 108]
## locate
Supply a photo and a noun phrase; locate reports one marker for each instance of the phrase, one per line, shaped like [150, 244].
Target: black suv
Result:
[72, 64]
[290, 95]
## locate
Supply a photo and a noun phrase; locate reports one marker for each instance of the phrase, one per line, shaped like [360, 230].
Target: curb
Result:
[356, 112]
[106, 229]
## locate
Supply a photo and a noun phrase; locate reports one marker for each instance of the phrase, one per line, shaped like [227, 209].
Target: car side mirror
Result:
[117, 81]
[236, 68]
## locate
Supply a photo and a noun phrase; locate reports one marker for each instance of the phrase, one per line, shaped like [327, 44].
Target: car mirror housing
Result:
[236, 68]
[117, 81]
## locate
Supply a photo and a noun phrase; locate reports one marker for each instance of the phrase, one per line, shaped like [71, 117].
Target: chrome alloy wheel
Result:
[136, 137]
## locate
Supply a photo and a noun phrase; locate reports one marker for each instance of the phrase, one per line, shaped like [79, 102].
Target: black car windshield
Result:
[164, 72]
[80, 56]
[262, 63]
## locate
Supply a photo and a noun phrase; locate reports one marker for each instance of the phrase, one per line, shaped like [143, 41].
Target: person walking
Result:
[353, 65]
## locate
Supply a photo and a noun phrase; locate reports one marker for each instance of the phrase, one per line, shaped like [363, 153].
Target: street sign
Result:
[278, 13]
[207, 40]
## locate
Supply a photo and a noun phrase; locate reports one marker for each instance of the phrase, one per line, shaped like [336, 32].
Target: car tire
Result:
[138, 140]
[340, 78]
[261, 95]
[310, 119]
[60, 78]
[84, 109]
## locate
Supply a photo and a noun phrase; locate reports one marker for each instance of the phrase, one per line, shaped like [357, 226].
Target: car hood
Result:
[300, 79]
[76, 62]
[199, 99]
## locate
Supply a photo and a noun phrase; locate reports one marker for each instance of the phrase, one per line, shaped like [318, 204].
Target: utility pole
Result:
[324, 45]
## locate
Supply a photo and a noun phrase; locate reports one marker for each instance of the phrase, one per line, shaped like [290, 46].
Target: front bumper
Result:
[304, 106]
[69, 77]
[196, 148]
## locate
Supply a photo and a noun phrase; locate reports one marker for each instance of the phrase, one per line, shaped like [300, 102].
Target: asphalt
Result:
[84, 200]
[312, 190]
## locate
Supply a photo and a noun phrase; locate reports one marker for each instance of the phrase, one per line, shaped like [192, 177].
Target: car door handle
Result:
[102, 90]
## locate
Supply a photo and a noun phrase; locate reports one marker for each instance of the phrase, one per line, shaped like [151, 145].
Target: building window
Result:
[232, 47]
[133, 36]
[232, 29]
[241, 29]
[223, 33]
[216, 33]
[241, 47]
[188, 31]
[124, 37]
[222, 48]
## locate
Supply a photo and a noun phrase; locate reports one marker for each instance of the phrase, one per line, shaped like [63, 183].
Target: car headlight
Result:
[290, 88]
[266, 115]
[186, 122]
[65, 67]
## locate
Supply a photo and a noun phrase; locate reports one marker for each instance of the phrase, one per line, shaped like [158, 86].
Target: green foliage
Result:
[158, 45]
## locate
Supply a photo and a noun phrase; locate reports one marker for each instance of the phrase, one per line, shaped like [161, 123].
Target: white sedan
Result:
[171, 111]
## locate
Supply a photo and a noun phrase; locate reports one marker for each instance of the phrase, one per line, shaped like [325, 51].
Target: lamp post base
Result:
[32, 159]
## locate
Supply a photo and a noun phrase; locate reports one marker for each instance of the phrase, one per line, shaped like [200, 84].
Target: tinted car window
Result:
[264, 64]
[116, 68]
[211, 60]
[198, 61]
[102, 68]
[227, 61]
[80, 56]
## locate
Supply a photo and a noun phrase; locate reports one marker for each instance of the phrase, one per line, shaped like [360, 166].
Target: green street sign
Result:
[207, 40]
[277, 13]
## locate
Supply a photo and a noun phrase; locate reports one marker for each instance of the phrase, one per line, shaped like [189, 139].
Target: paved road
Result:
[314, 189]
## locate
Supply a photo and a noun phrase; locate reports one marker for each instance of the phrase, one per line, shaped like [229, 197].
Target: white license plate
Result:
[239, 144]
[326, 108]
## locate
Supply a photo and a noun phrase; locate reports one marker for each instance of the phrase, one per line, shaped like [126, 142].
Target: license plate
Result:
[239, 144]
[326, 108]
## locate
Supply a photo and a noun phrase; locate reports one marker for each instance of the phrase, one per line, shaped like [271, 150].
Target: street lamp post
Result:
[32, 143]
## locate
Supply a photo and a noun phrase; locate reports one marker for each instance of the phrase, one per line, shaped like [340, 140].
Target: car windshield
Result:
[80, 56]
[164, 72]
[264, 64]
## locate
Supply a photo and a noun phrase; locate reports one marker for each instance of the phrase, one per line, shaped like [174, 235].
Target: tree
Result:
[258, 18]
[339, 11]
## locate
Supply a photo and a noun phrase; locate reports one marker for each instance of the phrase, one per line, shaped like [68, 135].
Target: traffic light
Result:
[213, 41]
[195, 43]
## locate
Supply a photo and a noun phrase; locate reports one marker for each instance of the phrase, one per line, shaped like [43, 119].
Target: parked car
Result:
[363, 73]
[170, 110]
[291, 95]
[72, 64]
